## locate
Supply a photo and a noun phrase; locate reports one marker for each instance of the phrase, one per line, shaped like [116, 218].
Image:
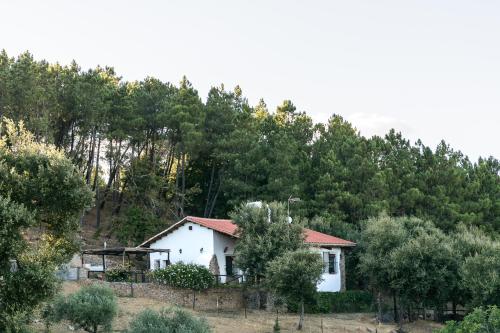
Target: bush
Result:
[168, 321]
[339, 302]
[89, 308]
[118, 274]
[481, 320]
[180, 275]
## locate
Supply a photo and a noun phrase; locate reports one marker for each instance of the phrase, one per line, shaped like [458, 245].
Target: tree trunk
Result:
[112, 175]
[118, 207]
[183, 182]
[395, 305]
[96, 185]
[194, 298]
[301, 320]
[91, 157]
[214, 200]
[379, 307]
[207, 203]
[72, 138]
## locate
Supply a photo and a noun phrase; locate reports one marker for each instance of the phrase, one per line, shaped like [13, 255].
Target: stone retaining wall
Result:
[211, 299]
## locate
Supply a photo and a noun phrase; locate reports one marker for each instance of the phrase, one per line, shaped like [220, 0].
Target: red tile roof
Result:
[228, 227]
[315, 237]
[223, 226]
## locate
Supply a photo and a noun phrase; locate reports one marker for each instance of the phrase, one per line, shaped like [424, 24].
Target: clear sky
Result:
[429, 68]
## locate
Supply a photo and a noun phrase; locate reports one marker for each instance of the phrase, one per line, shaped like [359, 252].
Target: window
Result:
[190, 227]
[157, 264]
[330, 263]
[166, 263]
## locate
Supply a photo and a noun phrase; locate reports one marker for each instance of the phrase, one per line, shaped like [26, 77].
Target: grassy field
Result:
[256, 321]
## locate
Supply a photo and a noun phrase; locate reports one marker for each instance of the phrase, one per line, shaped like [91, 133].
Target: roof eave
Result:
[332, 244]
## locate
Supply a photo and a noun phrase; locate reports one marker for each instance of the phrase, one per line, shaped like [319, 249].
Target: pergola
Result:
[122, 251]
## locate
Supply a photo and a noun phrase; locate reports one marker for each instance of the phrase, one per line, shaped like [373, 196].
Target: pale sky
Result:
[431, 69]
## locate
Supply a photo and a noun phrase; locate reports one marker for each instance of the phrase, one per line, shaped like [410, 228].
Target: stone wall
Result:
[211, 299]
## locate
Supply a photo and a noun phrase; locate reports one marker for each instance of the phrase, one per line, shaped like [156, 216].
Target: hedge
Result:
[118, 274]
[180, 275]
[338, 302]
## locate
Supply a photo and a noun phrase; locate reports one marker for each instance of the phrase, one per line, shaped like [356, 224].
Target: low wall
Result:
[211, 299]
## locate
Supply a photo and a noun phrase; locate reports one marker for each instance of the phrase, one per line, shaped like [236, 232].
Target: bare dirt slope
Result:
[256, 321]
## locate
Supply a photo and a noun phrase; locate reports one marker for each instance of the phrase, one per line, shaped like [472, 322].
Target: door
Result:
[229, 265]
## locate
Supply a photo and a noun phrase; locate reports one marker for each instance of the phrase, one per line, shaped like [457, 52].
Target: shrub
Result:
[118, 274]
[168, 321]
[339, 302]
[481, 320]
[180, 275]
[89, 308]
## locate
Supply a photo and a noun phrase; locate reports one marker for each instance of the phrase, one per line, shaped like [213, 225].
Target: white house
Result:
[210, 242]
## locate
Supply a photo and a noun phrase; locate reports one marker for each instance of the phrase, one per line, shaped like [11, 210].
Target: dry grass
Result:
[256, 321]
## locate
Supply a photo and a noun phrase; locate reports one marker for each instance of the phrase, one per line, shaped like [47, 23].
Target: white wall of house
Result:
[185, 244]
[331, 281]
[221, 242]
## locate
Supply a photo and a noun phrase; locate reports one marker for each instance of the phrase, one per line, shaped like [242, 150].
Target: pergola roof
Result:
[118, 251]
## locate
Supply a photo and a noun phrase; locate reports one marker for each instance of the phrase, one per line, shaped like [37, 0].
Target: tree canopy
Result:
[160, 147]
[39, 189]
[264, 234]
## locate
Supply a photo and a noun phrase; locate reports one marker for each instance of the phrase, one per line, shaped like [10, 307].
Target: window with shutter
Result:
[332, 263]
[329, 263]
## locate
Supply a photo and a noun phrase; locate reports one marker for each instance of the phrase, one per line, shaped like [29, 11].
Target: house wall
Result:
[189, 241]
[222, 241]
[331, 282]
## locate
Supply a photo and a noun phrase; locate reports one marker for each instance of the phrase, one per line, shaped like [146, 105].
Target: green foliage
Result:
[90, 308]
[38, 185]
[260, 241]
[294, 276]
[53, 311]
[180, 275]
[409, 258]
[171, 320]
[136, 224]
[349, 301]
[481, 276]
[481, 320]
[118, 274]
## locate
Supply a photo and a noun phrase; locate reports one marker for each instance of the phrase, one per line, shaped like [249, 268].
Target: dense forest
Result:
[154, 151]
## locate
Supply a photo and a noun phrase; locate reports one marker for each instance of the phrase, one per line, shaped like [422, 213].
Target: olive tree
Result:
[264, 234]
[294, 276]
[410, 259]
[90, 308]
[39, 190]
[170, 320]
